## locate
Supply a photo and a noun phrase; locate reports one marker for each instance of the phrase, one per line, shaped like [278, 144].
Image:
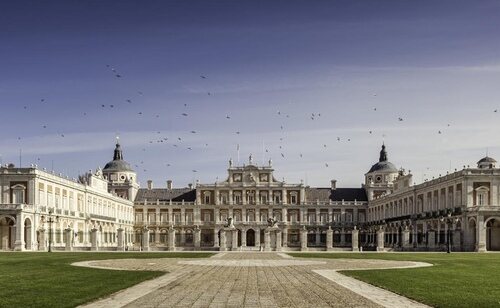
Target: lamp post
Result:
[448, 221]
[50, 221]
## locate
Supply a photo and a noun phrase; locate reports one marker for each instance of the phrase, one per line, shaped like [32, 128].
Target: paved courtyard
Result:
[252, 280]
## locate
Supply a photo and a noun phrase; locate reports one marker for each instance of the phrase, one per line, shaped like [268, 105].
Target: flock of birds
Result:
[178, 141]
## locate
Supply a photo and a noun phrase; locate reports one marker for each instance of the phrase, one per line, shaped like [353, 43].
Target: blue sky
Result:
[269, 65]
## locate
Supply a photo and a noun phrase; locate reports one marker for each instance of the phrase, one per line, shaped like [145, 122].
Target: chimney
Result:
[169, 184]
[334, 184]
[150, 184]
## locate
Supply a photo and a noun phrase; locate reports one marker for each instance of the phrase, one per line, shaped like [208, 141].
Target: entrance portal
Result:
[493, 235]
[7, 233]
[250, 237]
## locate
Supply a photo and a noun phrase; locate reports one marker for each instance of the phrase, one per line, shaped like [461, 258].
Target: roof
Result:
[339, 194]
[383, 166]
[487, 160]
[118, 165]
[165, 194]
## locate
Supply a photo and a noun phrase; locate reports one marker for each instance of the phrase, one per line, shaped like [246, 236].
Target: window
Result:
[237, 199]
[263, 198]
[277, 198]
[293, 198]
[206, 217]
[481, 198]
[206, 196]
[177, 218]
[189, 217]
[18, 195]
[312, 217]
[251, 198]
[224, 198]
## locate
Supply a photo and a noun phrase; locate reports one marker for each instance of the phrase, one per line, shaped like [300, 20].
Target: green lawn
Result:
[48, 280]
[455, 280]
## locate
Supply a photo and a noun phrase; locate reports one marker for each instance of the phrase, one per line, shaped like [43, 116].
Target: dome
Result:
[117, 164]
[383, 164]
[487, 160]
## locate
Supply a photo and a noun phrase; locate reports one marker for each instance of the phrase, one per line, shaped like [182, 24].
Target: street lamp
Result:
[50, 221]
[448, 221]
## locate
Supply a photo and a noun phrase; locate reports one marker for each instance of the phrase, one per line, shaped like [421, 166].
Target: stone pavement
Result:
[251, 279]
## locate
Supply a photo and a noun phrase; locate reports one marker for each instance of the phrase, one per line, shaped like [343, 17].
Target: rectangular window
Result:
[263, 199]
[206, 217]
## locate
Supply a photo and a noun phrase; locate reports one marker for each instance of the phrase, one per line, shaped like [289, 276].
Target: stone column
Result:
[121, 240]
[244, 238]
[380, 239]
[216, 238]
[19, 243]
[329, 239]
[267, 240]
[223, 240]
[197, 238]
[183, 216]
[284, 215]
[406, 238]
[257, 237]
[355, 239]
[171, 239]
[234, 245]
[318, 236]
[285, 237]
[145, 239]
[68, 233]
[157, 237]
[93, 239]
[431, 239]
[481, 234]
[42, 241]
[342, 237]
[216, 216]
[303, 239]
[278, 240]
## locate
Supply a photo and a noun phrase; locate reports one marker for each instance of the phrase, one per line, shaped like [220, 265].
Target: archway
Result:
[250, 237]
[493, 235]
[7, 233]
[27, 234]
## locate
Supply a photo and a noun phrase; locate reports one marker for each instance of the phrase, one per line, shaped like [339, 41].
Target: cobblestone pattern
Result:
[249, 285]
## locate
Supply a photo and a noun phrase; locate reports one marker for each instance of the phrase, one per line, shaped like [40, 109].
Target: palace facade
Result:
[250, 210]
[94, 212]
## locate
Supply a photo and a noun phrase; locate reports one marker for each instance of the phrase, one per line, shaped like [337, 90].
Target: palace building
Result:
[250, 210]
[95, 212]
